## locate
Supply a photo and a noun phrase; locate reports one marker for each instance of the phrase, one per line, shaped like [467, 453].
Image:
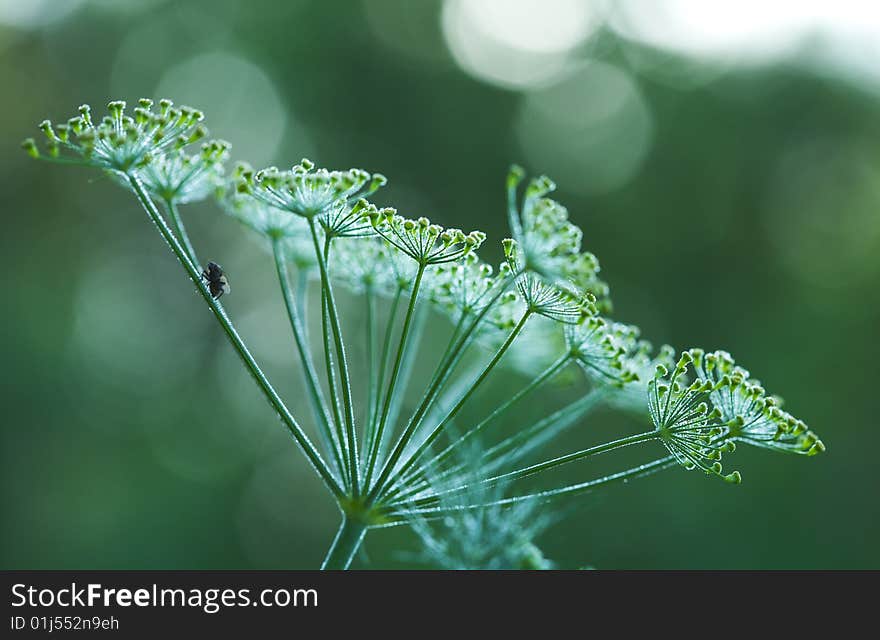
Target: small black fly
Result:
[216, 280]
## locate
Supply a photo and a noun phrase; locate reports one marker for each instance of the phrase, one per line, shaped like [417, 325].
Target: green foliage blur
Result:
[742, 212]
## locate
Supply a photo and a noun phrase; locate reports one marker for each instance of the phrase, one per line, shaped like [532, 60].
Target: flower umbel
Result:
[179, 177]
[424, 242]
[395, 459]
[307, 191]
[549, 244]
[601, 348]
[121, 142]
[752, 416]
[691, 432]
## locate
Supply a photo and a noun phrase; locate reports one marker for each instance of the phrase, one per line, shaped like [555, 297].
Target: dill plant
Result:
[382, 464]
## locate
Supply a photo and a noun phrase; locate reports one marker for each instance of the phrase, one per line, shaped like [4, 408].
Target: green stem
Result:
[566, 459]
[271, 395]
[177, 221]
[319, 405]
[383, 366]
[346, 543]
[372, 365]
[524, 442]
[330, 370]
[427, 442]
[456, 348]
[395, 494]
[302, 289]
[347, 406]
[395, 371]
[406, 368]
[570, 490]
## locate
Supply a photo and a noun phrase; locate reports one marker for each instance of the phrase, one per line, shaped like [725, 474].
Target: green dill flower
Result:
[424, 242]
[367, 264]
[641, 366]
[387, 463]
[503, 316]
[347, 220]
[120, 142]
[462, 287]
[307, 191]
[549, 244]
[265, 219]
[752, 416]
[183, 178]
[601, 348]
[684, 423]
[547, 298]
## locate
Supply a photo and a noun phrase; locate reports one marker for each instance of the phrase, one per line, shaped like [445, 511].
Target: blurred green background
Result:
[724, 162]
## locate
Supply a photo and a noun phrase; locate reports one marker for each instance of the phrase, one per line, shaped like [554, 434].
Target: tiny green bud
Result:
[31, 147]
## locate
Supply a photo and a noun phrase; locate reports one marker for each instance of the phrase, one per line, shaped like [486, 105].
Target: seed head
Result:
[120, 142]
[692, 431]
[306, 191]
[601, 348]
[549, 244]
[547, 297]
[423, 241]
[752, 416]
[462, 287]
[180, 177]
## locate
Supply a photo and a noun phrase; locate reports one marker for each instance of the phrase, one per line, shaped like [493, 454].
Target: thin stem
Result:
[383, 365]
[346, 543]
[319, 405]
[409, 360]
[395, 371]
[441, 457]
[450, 359]
[271, 395]
[426, 443]
[570, 490]
[372, 362]
[524, 442]
[553, 463]
[302, 290]
[347, 405]
[177, 222]
[330, 370]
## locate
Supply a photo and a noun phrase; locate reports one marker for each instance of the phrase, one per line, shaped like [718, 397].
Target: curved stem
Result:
[346, 543]
[319, 405]
[265, 386]
[395, 371]
[177, 221]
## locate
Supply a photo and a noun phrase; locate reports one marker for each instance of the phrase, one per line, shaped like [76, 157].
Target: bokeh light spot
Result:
[33, 14]
[517, 43]
[242, 103]
[591, 131]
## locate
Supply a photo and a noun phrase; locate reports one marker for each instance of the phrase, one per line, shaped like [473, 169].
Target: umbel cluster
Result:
[386, 459]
